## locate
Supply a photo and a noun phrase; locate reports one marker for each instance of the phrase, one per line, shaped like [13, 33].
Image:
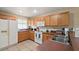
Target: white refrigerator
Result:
[8, 33]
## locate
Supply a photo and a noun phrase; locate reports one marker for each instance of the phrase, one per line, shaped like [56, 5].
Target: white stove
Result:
[38, 37]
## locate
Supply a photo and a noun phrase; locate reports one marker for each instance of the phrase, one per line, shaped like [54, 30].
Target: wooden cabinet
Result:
[64, 19]
[47, 20]
[53, 20]
[24, 35]
[34, 21]
[38, 19]
[60, 19]
[31, 35]
[31, 22]
[45, 37]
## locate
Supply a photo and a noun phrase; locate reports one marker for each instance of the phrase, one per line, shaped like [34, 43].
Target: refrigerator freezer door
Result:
[3, 33]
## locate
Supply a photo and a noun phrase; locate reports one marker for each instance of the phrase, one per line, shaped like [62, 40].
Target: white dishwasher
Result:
[38, 37]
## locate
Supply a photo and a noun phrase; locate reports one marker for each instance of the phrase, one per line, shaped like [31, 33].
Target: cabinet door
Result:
[29, 22]
[54, 20]
[45, 37]
[4, 34]
[64, 19]
[47, 20]
[22, 36]
[31, 35]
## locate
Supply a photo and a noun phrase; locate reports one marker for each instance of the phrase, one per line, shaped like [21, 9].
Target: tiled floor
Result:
[27, 45]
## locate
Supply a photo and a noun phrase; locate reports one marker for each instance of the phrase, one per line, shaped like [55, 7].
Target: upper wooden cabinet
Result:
[53, 20]
[30, 22]
[47, 20]
[60, 19]
[64, 19]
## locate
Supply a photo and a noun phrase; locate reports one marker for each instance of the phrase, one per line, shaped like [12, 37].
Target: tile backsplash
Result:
[44, 29]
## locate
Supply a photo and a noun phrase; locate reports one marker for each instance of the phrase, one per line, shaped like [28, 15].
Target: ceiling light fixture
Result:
[20, 11]
[35, 11]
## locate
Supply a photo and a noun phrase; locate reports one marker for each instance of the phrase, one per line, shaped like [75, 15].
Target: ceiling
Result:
[29, 11]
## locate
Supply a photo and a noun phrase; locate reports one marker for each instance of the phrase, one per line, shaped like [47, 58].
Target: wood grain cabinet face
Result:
[61, 19]
[31, 35]
[54, 20]
[64, 19]
[47, 20]
[23, 36]
[37, 19]
[46, 37]
[29, 22]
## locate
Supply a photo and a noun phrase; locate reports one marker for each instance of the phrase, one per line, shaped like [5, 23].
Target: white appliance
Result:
[76, 32]
[38, 37]
[8, 33]
[4, 34]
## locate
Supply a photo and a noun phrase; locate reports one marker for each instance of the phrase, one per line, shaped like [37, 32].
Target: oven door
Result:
[38, 37]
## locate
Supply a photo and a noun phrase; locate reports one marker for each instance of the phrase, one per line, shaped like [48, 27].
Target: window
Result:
[22, 24]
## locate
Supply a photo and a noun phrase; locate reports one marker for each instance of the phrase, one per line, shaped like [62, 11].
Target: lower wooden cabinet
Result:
[31, 35]
[47, 37]
[23, 36]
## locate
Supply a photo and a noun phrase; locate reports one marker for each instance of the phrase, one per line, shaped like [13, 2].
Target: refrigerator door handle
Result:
[3, 31]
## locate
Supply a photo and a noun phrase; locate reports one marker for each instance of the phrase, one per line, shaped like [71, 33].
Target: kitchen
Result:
[44, 25]
[39, 26]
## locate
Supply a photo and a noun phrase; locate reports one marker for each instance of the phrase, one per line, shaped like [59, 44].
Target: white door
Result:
[3, 33]
[13, 30]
